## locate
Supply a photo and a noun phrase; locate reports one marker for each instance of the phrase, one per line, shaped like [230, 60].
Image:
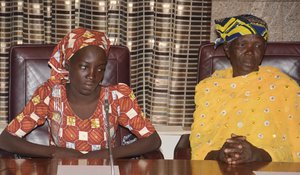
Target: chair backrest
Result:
[283, 55]
[29, 68]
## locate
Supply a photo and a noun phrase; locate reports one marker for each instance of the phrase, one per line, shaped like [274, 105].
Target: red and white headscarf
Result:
[69, 45]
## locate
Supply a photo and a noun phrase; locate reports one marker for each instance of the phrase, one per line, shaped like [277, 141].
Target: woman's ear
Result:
[226, 49]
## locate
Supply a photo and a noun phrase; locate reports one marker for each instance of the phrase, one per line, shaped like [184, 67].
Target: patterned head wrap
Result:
[69, 45]
[231, 28]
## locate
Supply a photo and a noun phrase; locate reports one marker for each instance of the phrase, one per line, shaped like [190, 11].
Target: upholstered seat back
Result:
[29, 68]
[285, 56]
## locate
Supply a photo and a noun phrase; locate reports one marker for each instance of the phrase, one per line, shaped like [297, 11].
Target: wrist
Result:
[102, 154]
[212, 155]
[261, 156]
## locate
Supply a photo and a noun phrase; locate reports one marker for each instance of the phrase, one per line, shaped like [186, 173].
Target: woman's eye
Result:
[101, 69]
[242, 45]
[257, 45]
[83, 67]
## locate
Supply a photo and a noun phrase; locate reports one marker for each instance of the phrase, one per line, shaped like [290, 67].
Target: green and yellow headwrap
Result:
[230, 28]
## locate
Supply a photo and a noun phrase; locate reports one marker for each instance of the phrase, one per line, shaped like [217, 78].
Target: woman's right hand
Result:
[237, 150]
[60, 152]
[230, 149]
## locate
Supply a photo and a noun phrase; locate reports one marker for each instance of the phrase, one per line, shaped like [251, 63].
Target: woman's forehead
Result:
[250, 37]
[89, 53]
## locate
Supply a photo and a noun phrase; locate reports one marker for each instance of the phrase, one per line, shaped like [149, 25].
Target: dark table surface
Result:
[138, 167]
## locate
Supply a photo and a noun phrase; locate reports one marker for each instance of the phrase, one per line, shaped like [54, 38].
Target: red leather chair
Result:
[283, 55]
[29, 68]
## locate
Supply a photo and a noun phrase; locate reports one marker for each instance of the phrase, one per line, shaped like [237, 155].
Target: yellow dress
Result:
[264, 106]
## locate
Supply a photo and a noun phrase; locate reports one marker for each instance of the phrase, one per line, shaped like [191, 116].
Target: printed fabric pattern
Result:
[263, 106]
[73, 132]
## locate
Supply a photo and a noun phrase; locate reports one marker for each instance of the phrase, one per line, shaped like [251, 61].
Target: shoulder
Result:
[218, 75]
[277, 75]
[121, 89]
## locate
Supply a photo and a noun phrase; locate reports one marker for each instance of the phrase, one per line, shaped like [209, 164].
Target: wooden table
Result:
[140, 167]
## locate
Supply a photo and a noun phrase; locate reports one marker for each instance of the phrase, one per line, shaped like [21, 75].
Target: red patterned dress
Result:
[72, 132]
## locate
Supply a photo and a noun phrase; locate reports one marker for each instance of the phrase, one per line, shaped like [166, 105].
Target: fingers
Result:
[235, 159]
[240, 154]
[236, 150]
[234, 136]
[238, 161]
[230, 153]
[233, 145]
[233, 150]
[233, 141]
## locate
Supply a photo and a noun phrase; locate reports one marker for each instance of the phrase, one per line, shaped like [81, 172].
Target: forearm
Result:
[139, 147]
[15, 144]
[18, 145]
[261, 155]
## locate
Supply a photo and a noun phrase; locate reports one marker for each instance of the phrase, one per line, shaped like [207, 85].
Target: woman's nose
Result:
[91, 74]
[249, 49]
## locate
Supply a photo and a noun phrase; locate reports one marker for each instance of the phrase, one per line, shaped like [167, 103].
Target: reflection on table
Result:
[144, 167]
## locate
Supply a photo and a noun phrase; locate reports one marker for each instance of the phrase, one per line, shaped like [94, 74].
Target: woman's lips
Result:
[89, 85]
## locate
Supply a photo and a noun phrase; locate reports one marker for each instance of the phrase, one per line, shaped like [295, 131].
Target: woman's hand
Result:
[101, 154]
[237, 150]
[59, 152]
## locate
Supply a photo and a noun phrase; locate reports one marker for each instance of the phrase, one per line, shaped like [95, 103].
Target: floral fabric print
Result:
[263, 106]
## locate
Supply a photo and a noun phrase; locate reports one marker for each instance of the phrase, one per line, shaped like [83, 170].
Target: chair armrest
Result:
[183, 148]
[6, 154]
[156, 154]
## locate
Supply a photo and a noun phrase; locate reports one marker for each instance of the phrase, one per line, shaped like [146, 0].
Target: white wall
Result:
[170, 136]
[168, 145]
[2, 126]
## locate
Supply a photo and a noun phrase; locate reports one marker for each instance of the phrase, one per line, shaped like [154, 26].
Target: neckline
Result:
[96, 111]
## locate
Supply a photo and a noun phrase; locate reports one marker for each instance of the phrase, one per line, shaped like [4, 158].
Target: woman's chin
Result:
[89, 91]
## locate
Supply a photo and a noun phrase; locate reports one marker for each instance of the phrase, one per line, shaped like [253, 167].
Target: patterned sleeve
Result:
[33, 114]
[131, 115]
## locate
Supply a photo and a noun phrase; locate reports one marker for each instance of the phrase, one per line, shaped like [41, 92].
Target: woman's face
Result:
[245, 53]
[86, 70]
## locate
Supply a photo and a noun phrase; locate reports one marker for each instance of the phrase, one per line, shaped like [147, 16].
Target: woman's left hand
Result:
[242, 151]
[101, 154]
[61, 152]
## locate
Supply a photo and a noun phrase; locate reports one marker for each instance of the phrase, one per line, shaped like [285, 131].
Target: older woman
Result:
[73, 102]
[246, 113]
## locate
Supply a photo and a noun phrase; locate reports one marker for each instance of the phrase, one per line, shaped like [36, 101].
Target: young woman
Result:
[73, 102]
